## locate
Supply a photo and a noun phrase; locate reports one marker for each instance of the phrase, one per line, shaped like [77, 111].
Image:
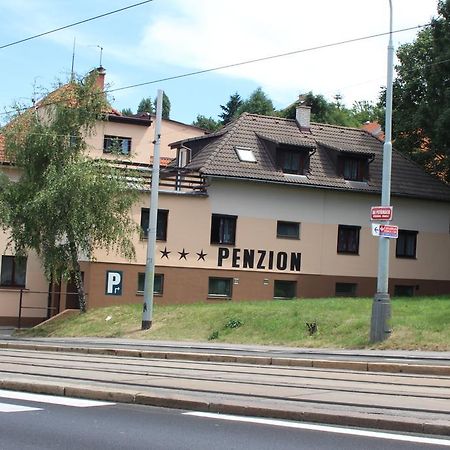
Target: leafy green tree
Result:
[364, 111]
[323, 111]
[230, 110]
[165, 106]
[65, 204]
[207, 123]
[145, 106]
[257, 103]
[421, 104]
[127, 112]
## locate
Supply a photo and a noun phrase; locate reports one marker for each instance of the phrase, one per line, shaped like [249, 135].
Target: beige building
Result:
[270, 208]
[23, 282]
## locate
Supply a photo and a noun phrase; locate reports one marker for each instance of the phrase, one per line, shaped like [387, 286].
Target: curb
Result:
[182, 401]
[362, 366]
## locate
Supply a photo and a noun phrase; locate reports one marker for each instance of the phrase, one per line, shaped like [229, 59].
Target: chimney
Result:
[303, 117]
[100, 82]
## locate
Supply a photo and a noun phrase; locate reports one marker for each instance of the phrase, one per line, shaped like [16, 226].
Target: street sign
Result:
[387, 231]
[381, 213]
[114, 281]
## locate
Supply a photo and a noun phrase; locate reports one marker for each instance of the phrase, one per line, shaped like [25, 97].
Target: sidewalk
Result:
[402, 391]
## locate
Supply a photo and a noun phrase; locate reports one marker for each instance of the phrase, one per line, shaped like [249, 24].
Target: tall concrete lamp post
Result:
[147, 313]
[381, 308]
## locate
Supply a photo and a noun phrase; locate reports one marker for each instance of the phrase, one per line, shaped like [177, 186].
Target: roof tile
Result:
[214, 155]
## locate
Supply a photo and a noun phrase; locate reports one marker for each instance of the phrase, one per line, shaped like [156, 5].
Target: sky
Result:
[166, 38]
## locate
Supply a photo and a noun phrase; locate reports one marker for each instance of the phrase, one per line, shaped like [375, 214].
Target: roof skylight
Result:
[245, 154]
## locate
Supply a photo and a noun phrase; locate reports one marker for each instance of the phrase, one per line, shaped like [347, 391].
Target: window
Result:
[158, 284]
[183, 157]
[403, 291]
[289, 230]
[245, 154]
[220, 287]
[348, 239]
[117, 144]
[345, 290]
[406, 244]
[285, 289]
[161, 224]
[13, 271]
[353, 168]
[291, 160]
[223, 229]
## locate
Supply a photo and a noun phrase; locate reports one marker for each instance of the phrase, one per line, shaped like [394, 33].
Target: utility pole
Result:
[147, 313]
[381, 307]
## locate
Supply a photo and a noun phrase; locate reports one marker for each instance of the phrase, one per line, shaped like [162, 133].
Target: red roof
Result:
[374, 128]
[163, 161]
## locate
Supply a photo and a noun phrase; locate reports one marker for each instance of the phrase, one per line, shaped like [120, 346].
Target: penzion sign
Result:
[259, 259]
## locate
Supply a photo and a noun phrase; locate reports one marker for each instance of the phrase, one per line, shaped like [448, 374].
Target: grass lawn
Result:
[417, 323]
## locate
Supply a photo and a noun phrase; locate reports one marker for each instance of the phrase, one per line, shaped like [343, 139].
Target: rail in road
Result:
[411, 402]
[431, 363]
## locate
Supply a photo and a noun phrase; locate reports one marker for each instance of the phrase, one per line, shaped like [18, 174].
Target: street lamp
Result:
[381, 307]
[147, 313]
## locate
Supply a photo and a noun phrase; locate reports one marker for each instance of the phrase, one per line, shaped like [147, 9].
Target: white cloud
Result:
[200, 34]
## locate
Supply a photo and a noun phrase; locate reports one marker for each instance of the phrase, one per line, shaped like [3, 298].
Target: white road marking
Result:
[52, 399]
[327, 429]
[6, 407]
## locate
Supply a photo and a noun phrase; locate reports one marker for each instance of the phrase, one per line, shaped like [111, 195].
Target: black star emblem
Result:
[201, 255]
[183, 254]
[165, 253]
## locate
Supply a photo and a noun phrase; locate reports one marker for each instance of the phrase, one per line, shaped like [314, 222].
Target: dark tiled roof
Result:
[215, 155]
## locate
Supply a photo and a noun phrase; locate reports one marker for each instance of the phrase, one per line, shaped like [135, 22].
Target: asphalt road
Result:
[417, 403]
[30, 421]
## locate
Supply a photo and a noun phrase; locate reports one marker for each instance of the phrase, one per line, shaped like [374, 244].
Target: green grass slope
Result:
[417, 323]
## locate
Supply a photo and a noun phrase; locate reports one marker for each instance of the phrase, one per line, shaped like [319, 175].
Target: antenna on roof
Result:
[72, 73]
[101, 55]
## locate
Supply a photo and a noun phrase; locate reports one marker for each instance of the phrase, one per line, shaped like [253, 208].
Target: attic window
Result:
[292, 160]
[354, 168]
[245, 154]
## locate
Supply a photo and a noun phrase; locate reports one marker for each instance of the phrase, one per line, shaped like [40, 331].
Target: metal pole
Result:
[381, 307]
[19, 318]
[147, 313]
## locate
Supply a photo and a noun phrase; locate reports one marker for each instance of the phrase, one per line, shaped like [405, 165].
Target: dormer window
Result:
[354, 168]
[183, 157]
[291, 159]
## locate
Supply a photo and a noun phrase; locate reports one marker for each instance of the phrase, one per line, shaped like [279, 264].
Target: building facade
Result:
[271, 208]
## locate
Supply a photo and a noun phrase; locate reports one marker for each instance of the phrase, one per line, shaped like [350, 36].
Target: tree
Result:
[421, 103]
[145, 106]
[127, 112]
[257, 103]
[230, 110]
[207, 123]
[165, 106]
[364, 111]
[323, 111]
[65, 204]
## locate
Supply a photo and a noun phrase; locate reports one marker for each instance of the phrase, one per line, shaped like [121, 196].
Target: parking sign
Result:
[113, 282]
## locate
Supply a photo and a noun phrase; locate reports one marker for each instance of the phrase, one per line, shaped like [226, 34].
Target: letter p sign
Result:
[113, 283]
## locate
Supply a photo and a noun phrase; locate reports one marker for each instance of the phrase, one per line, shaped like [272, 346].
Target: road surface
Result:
[34, 421]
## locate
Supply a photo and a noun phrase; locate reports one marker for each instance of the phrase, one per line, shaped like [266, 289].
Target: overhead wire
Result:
[241, 63]
[89, 19]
